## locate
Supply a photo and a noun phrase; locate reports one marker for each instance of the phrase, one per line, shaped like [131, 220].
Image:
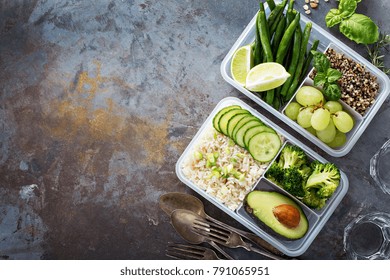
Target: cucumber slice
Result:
[242, 122]
[233, 122]
[220, 113]
[224, 120]
[239, 138]
[254, 130]
[264, 146]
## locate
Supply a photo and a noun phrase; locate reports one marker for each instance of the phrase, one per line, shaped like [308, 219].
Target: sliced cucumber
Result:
[254, 130]
[220, 113]
[264, 146]
[233, 122]
[239, 138]
[224, 120]
[242, 122]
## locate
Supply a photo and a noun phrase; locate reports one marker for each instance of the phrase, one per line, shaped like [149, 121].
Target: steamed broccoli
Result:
[312, 200]
[321, 184]
[292, 156]
[290, 170]
[293, 182]
[312, 184]
[325, 177]
[275, 173]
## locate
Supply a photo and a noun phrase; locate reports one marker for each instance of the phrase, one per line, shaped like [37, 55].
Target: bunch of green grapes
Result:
[324, 119]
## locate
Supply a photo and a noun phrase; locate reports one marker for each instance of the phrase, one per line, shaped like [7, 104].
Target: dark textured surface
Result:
[97, 103]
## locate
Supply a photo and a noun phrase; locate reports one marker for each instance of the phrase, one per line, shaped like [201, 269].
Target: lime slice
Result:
[242, 62]
[266, 76]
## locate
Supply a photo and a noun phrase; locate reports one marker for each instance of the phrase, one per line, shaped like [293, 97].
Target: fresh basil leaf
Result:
[347, 8]
[360, 28]
[332, 92]
[333, 17]
[321, 62]
[333, 75]
[320, 79]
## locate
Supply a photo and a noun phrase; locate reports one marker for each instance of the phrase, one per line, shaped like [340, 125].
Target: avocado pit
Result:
[287, 215]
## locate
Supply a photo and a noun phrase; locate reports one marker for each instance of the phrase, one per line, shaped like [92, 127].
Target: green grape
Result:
[311, 130]
[320, 119]
[343, 121]
[338, 140]
[333, 106]
[304, 116]
[308, 96]
[328, 134]
[292, 110]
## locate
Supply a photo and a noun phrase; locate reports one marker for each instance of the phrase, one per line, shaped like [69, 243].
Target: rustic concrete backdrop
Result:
[97, 102]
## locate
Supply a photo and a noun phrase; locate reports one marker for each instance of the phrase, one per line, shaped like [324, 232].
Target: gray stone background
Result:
[97, 102]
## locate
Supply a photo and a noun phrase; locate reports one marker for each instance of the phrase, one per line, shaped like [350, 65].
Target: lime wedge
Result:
[266, 76]
[242, 62]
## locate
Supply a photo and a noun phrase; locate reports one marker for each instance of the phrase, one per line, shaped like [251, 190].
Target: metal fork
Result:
[227, 238]
[190, 252]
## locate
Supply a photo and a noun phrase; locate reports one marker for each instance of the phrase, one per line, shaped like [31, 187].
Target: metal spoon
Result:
[169, 202]
[183, 220]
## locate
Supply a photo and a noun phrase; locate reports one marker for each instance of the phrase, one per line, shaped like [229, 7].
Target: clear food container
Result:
[326, 41]
[316, 218]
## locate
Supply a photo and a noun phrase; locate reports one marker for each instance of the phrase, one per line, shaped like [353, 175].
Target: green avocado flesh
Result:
[262, 203]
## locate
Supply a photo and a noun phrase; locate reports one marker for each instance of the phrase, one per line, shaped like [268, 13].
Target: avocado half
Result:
[278, 212]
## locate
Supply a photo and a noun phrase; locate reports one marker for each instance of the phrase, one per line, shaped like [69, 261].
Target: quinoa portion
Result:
[222, 169]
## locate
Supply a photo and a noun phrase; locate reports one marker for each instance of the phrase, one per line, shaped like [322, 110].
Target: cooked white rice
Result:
[228, 189]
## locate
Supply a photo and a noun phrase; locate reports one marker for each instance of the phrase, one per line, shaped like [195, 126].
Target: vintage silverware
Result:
[225, 237]
[175, 200]
[182, 220]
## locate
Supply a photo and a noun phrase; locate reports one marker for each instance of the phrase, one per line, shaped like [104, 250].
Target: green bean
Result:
[290, 6]
[294, 60]
[285, 42]
[273, 27]
[269, 97]
[278, 35]
[297, 75]
[257, 53]
[309, 58]
[277, 11]
[271, 4]
[265, 42]
[276, 102]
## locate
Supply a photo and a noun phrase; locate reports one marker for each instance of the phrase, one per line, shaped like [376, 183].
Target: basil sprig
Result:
[326, 76]
[356, 27]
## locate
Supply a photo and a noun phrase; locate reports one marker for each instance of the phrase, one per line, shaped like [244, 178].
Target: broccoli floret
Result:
[293, 182]
[275, 173]
[312, 200]
[305, 172]
[324, 178]
[292, 156]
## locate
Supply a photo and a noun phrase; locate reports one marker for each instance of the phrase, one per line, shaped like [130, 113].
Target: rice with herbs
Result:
[221, 168]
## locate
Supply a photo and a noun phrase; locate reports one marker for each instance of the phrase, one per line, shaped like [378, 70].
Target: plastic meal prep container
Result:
[326, 41]
[316, 218]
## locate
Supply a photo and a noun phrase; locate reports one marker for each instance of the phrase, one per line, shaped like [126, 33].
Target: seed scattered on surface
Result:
[326, 0]
[313, 5]
[305, 7]
[307, 1]
[307, 12]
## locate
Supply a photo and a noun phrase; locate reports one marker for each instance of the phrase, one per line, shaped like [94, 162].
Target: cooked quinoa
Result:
[221, 168]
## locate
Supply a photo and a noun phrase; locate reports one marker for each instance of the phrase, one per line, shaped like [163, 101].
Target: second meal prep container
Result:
[326, 41]
[316, 218]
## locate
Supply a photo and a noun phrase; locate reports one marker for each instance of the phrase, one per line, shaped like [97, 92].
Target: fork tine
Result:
[213, 224]
[212, 228]
[210, 236]
[181, 251]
